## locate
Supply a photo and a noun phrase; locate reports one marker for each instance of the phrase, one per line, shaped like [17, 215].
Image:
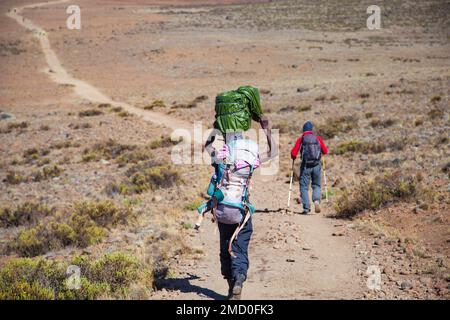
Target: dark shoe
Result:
[306, 211]
[237, 287]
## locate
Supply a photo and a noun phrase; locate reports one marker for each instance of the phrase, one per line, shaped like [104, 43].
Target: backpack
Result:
[311, 152]
[229, 188]
[236, 109]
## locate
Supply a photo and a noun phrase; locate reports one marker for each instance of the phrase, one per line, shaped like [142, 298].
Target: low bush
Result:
[85, 225]
[90, 113]
[377, 123]
[384, 190]
[109, 149]
[334, 127]
[110, 276]
[27, 213]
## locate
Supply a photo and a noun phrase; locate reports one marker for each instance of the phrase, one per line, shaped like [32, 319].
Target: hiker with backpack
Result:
[311, 148]
[234, 164]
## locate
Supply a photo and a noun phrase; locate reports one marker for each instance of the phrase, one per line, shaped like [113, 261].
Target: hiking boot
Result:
[317, 206]
[237, 287]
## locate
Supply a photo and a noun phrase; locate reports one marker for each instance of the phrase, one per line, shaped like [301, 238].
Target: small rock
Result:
[405, 285]
[6, 116]
[290, 260]
[104, 162]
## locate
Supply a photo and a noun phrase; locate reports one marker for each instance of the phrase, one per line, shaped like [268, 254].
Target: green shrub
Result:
[13, 177]
[193, 205]
[82, 227]
[25, 214]
[155, 178]
[104, 213]
[117, 109]
[359, 147]
[124, 114]
[109, 276]
[104, 105]
[51, 171]
[372, 195]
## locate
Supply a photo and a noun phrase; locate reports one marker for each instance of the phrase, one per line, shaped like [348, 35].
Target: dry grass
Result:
[382, 191]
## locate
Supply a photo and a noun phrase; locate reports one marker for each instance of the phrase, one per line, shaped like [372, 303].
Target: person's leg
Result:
[225, 231]
[240, 263]
[317, 182]
[317, 186]
[305, 178]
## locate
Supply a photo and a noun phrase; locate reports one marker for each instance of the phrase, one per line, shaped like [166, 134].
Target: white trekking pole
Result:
[290, 187]
[325, 179]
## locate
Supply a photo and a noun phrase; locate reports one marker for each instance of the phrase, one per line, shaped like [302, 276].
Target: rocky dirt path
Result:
[292, 256]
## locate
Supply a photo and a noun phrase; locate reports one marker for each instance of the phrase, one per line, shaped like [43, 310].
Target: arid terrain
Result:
[86, 123]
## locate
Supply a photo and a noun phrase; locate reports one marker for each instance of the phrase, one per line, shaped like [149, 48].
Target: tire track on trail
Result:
[82, 88]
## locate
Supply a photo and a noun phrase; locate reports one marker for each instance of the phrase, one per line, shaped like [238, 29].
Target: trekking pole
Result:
[325, 179]
[290, 186]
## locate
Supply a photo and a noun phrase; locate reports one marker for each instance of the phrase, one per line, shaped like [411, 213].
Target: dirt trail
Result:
[83, 89]
[292, 256]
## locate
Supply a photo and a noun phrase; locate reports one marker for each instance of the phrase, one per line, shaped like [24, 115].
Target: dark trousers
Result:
[230, 266]
[311, 175]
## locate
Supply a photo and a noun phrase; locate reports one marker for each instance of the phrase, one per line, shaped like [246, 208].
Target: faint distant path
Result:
[85, 90]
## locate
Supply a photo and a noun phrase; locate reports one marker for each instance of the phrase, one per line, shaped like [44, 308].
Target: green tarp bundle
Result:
[236, 109]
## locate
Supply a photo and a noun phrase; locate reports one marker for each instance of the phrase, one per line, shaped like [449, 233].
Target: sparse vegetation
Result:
[64, 144]
[104, 105]
[124, 114]
[436, 114]
[360, 147]
[90, 113]
[28, 213]
[381, 191]
[13, 126]
[155, 104]
[13, 177]
[377, 123]
[109, 149]
[334, 127]
[110, 276]
[81, 226]
[436, 99]
[163, 143]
